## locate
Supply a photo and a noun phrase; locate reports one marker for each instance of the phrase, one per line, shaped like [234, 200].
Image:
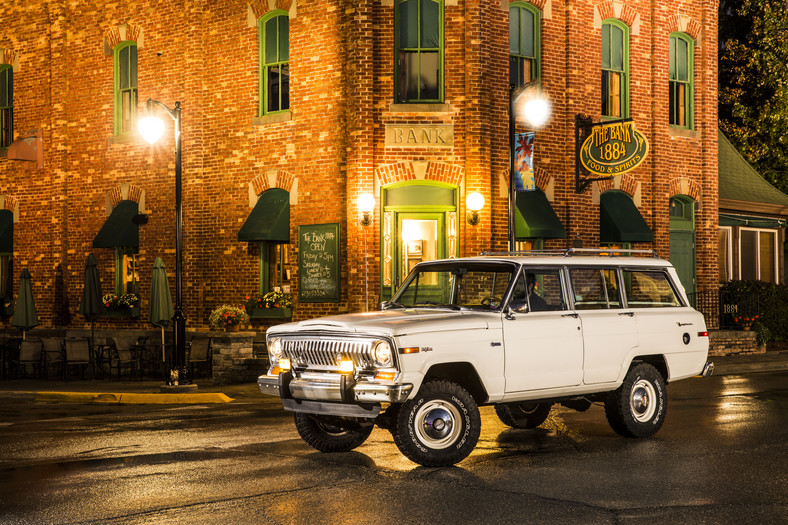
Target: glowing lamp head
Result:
[151, 128]
[537, 111]
[474, 201]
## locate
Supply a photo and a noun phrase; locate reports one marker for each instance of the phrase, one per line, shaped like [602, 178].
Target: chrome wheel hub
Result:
[641, 401]
[437, 424]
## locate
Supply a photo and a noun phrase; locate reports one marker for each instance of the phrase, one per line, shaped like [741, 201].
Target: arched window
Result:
[680, 80]
[525, 22]
[125, 57]
[615, 68]
[274, 40]
[6, 105]
[419, 50]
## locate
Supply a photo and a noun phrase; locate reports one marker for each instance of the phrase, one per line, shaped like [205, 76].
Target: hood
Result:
[395, 322]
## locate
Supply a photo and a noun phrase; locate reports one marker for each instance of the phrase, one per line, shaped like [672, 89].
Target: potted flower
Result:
[228, 317]
[745, 322]
[272, 305]
[126, 305]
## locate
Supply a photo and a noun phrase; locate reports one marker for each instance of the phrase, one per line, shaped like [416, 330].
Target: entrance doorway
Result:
[682, 241]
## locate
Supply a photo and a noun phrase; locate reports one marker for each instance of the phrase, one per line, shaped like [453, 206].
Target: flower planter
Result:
[232, 328]
[128, 312]
[271, 313]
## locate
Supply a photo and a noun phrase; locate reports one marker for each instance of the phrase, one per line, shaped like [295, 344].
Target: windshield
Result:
[455, 285]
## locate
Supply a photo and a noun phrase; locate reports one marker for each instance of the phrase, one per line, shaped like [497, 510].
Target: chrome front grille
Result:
[326, 353]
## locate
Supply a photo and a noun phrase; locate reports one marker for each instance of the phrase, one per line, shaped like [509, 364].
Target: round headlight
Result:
[382, 353]
[275, 349]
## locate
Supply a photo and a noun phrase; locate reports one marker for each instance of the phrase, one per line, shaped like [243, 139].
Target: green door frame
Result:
[682, 242]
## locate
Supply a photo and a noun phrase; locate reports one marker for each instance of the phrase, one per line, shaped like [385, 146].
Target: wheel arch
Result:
[464, 374]
[658, 361]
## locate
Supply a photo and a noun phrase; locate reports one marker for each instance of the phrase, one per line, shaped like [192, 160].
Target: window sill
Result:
[284, 116]
[683, 132]
[395, 107]
[126, 138]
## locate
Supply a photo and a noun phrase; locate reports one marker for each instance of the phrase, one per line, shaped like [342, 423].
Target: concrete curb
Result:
[122, 399]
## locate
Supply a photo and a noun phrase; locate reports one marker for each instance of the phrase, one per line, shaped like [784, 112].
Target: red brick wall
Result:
[205, 55]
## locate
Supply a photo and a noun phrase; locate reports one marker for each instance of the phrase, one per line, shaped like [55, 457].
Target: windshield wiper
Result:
[433, 304]
[392, 304]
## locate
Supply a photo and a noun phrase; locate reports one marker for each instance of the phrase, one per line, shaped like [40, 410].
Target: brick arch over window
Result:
[685, 186]
[442, 172]
[618, 10]
[391, 173]
[627, 183]
[123, 33]
[258, 8]
[273, 179]
[10, 57]
[684, 24]
[126, 192]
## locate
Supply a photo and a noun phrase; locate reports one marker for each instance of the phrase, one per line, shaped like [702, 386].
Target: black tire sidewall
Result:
[414, 449]
[309, 428]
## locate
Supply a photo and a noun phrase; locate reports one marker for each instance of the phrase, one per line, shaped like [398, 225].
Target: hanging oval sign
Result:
[613, 149]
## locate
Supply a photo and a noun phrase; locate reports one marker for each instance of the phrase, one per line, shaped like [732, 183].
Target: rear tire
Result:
[332, 434]
[638, 407]
[523, 415]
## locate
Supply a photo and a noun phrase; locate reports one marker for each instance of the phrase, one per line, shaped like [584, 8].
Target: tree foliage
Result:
[753, 37]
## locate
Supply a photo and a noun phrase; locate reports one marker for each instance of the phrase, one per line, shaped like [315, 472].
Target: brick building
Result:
[292, 109]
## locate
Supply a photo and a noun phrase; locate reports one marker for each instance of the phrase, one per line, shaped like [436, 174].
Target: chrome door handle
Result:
[570, 315]
[630, 314]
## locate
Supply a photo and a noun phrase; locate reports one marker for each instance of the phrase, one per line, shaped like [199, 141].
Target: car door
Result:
[542, 339]
[609, 329]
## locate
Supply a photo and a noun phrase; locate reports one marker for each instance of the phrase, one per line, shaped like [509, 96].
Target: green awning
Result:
[120, 231]
[535, 217]
[269, 219]
[6, 231]
[620, 220]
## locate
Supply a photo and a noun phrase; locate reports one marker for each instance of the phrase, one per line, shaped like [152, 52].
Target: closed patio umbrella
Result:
[91, 305]
[161, 311]
[25, 315]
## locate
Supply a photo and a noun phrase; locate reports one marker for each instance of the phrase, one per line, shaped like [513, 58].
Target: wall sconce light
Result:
[475, 202]
[366, 205]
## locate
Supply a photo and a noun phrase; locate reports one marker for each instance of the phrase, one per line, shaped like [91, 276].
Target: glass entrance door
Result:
[420, 237]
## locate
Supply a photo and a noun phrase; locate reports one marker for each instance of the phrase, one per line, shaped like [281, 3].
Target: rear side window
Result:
[595, 288]
[649, 289]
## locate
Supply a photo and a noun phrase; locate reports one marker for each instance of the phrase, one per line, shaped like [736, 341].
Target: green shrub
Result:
[772, 306]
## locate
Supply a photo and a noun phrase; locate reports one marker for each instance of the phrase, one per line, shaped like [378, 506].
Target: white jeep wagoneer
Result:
[518, 331]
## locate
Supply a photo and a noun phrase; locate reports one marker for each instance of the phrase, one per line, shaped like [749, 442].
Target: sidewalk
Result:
[148, 392]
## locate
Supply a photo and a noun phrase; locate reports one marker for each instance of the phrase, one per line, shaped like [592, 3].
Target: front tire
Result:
[638, 407]
[328, 434]
[440, 426]
[523, 415]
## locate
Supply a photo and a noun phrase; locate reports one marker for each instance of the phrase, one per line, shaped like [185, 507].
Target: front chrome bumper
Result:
[333, 388]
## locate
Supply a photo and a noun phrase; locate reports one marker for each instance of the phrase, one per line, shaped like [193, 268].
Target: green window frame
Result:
[6, 105]
[418, 37]
[274, 41]
[125, 59]
[126, 271]
[615, 69]
[273, 260]
[525, 22]
[681, 80]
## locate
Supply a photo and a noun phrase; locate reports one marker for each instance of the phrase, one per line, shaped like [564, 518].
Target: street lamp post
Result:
[151, 129]
[536, 112]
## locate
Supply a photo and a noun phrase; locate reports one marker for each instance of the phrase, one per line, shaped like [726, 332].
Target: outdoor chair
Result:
[77, 354]
[123, 356]
[10, 354]
[200, 353]
[53, 354]
[30, 353]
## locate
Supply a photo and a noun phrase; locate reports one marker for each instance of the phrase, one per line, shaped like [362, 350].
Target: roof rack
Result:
[609, 252]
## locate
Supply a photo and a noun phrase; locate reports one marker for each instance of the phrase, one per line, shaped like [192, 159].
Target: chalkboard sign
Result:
[318, 263]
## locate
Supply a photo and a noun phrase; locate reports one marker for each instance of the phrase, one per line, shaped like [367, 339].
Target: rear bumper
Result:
[334, 388]
[708, 369]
